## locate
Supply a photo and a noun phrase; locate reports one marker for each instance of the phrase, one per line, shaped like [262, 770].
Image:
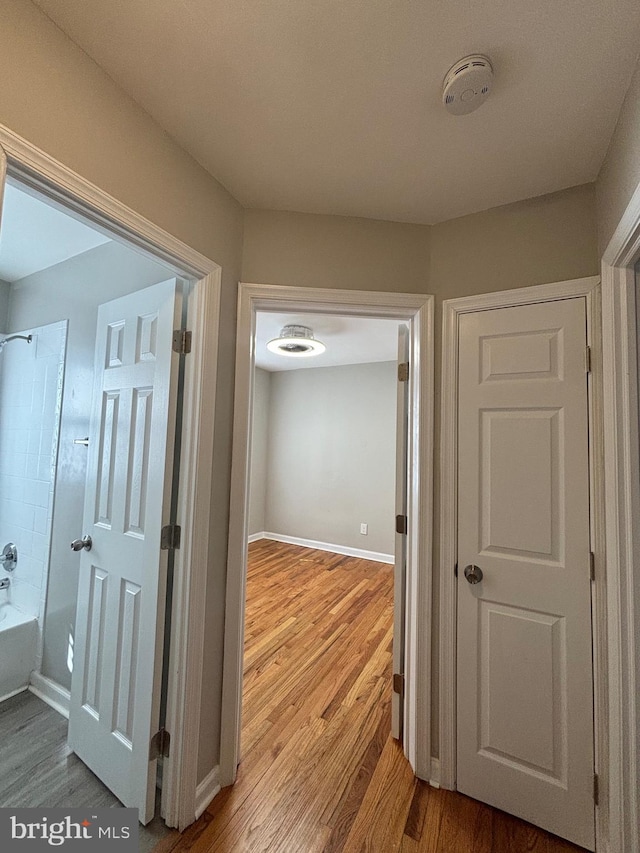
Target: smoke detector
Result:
[467, 84]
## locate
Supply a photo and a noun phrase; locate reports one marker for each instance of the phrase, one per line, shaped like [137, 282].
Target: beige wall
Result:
[308, 250]
[53, 95]
[620, 172]
[549, 238]
[540, 240]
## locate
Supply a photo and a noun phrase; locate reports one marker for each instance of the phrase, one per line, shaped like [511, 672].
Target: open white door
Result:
[115, 692]
[400, 566]
[524, 654]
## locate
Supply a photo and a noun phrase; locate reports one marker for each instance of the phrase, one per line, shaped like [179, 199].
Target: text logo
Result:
[103, 830]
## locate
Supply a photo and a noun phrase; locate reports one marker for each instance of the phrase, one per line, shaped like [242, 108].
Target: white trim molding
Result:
[207, 790]
[622, 486]
[255, 537]
[62, 187]
[54, 694]
[417, 311]
[345, 550]
[451, 312]
[13, 693]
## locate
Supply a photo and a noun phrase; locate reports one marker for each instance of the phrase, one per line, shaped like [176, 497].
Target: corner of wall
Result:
[620, 172]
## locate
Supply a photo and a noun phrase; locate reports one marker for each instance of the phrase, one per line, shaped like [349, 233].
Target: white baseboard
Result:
[207, 790]
[434, 778]
[255, 536]
[54, 694]
[14, 693]
[327, 546]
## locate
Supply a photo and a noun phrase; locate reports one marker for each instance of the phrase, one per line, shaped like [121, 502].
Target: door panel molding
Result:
[417, 311]
[70, 191]
[451, 311]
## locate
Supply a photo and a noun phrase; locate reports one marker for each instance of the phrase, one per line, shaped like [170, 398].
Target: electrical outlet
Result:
[364, 529]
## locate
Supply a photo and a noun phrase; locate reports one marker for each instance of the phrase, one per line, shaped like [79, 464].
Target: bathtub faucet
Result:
[5, 583]
[9, 557]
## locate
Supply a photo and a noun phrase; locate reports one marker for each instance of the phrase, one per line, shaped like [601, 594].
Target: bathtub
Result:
[18, 636]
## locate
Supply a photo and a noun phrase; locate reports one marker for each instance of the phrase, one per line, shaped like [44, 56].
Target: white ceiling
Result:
[349, 340]
[34, 236]
[334, 107]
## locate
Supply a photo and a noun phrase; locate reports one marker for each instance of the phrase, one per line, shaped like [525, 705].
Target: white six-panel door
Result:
[524, 652]
[115, 691]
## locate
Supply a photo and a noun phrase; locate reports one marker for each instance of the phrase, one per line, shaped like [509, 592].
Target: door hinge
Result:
[398, 683]
[596, 789]
[592, 565]
[181, 341]
[455, 570]
[401, 523]
[403, 371]
[587, 359]
[170, 537]
[159, 744]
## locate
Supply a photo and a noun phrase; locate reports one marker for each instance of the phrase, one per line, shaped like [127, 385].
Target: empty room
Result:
[319, 607]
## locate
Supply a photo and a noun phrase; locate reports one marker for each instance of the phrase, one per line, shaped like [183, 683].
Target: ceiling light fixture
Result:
[296, 342]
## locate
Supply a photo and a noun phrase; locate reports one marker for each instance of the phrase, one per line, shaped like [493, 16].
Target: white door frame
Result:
[622, 483]
[73, 193]
[451, 311]
[417, 311]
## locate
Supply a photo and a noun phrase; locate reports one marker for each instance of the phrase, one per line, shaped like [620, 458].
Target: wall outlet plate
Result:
[364, 529]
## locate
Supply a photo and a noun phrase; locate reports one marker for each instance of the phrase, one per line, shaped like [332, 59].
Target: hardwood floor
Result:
[320, 772]
[37, 768]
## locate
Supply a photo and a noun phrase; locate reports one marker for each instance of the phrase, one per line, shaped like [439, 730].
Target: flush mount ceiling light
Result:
[296, 342]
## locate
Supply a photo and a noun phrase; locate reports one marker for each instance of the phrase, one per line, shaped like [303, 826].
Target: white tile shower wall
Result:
[31, 383]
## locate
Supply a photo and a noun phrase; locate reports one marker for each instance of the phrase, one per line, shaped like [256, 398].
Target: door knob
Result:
[473, 574]
[78, 544]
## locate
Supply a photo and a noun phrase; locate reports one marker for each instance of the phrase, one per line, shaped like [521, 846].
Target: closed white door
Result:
[400, 567]
[115, 692]
[524, 654]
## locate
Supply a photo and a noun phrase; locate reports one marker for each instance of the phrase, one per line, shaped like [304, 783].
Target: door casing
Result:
[622, 482]
[452, 309]
[182, 799]
[417, 311]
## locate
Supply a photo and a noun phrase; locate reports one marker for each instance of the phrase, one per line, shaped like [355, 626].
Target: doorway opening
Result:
[63, 261]
[57, 272]
[320, 575]
[415, 312]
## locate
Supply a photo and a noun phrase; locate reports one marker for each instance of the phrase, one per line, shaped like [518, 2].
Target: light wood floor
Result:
[320, 772]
